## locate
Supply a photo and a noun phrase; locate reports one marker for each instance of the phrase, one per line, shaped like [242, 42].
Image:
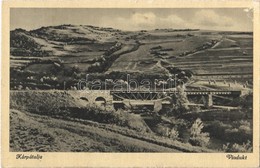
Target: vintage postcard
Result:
[130, 83]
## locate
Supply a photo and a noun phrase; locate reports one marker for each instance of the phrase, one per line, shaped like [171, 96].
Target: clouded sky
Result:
[235, 19]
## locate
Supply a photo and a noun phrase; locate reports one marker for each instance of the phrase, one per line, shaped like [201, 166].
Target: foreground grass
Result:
[32, 132]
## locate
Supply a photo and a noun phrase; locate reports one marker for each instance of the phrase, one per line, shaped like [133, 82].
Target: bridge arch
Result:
[84, 98]
[100, 101]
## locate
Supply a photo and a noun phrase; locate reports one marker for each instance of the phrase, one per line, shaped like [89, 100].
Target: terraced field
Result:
[155, 49]
[222, 59]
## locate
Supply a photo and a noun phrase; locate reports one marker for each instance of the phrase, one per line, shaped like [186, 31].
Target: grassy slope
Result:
[31, 132]
[67, 40]
[46, 121]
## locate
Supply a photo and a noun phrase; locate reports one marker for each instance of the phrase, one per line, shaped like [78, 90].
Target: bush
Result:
[201, 140]
[161, 130]
[173, 134]
[131, 121]
[245, 147]
[236, 132]
[217, 128]
[198, 138]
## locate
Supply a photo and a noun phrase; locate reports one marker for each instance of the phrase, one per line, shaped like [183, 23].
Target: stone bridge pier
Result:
[209, 100]
[101, 98]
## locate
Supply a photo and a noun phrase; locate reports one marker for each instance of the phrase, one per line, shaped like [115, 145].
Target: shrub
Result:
[201, 140]
[239, 135]
[161, 130]
[198, 138]
[136, 123]
[173, 134]
[245, 147]
[235, 132]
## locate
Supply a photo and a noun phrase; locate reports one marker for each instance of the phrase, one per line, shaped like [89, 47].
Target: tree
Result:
[181, 100]
[198, 138]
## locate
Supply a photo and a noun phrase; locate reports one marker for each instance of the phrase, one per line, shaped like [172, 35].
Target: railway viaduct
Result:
[108, 98]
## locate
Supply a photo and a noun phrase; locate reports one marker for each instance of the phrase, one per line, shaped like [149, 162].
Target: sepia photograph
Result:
[131, 80]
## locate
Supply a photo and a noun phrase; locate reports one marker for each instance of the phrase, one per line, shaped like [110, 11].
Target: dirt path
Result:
[217, 44]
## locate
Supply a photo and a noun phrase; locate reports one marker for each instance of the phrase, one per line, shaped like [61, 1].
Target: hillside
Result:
[61, 40]
[56, 121]
[30, 133]
[69, 52]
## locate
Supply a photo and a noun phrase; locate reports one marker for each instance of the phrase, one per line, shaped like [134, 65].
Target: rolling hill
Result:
[69, 52]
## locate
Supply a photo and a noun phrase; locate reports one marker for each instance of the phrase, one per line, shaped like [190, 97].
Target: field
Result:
[221, 59]
[158, 48]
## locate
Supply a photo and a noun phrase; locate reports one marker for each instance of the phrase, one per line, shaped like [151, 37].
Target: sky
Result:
[227, 19]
